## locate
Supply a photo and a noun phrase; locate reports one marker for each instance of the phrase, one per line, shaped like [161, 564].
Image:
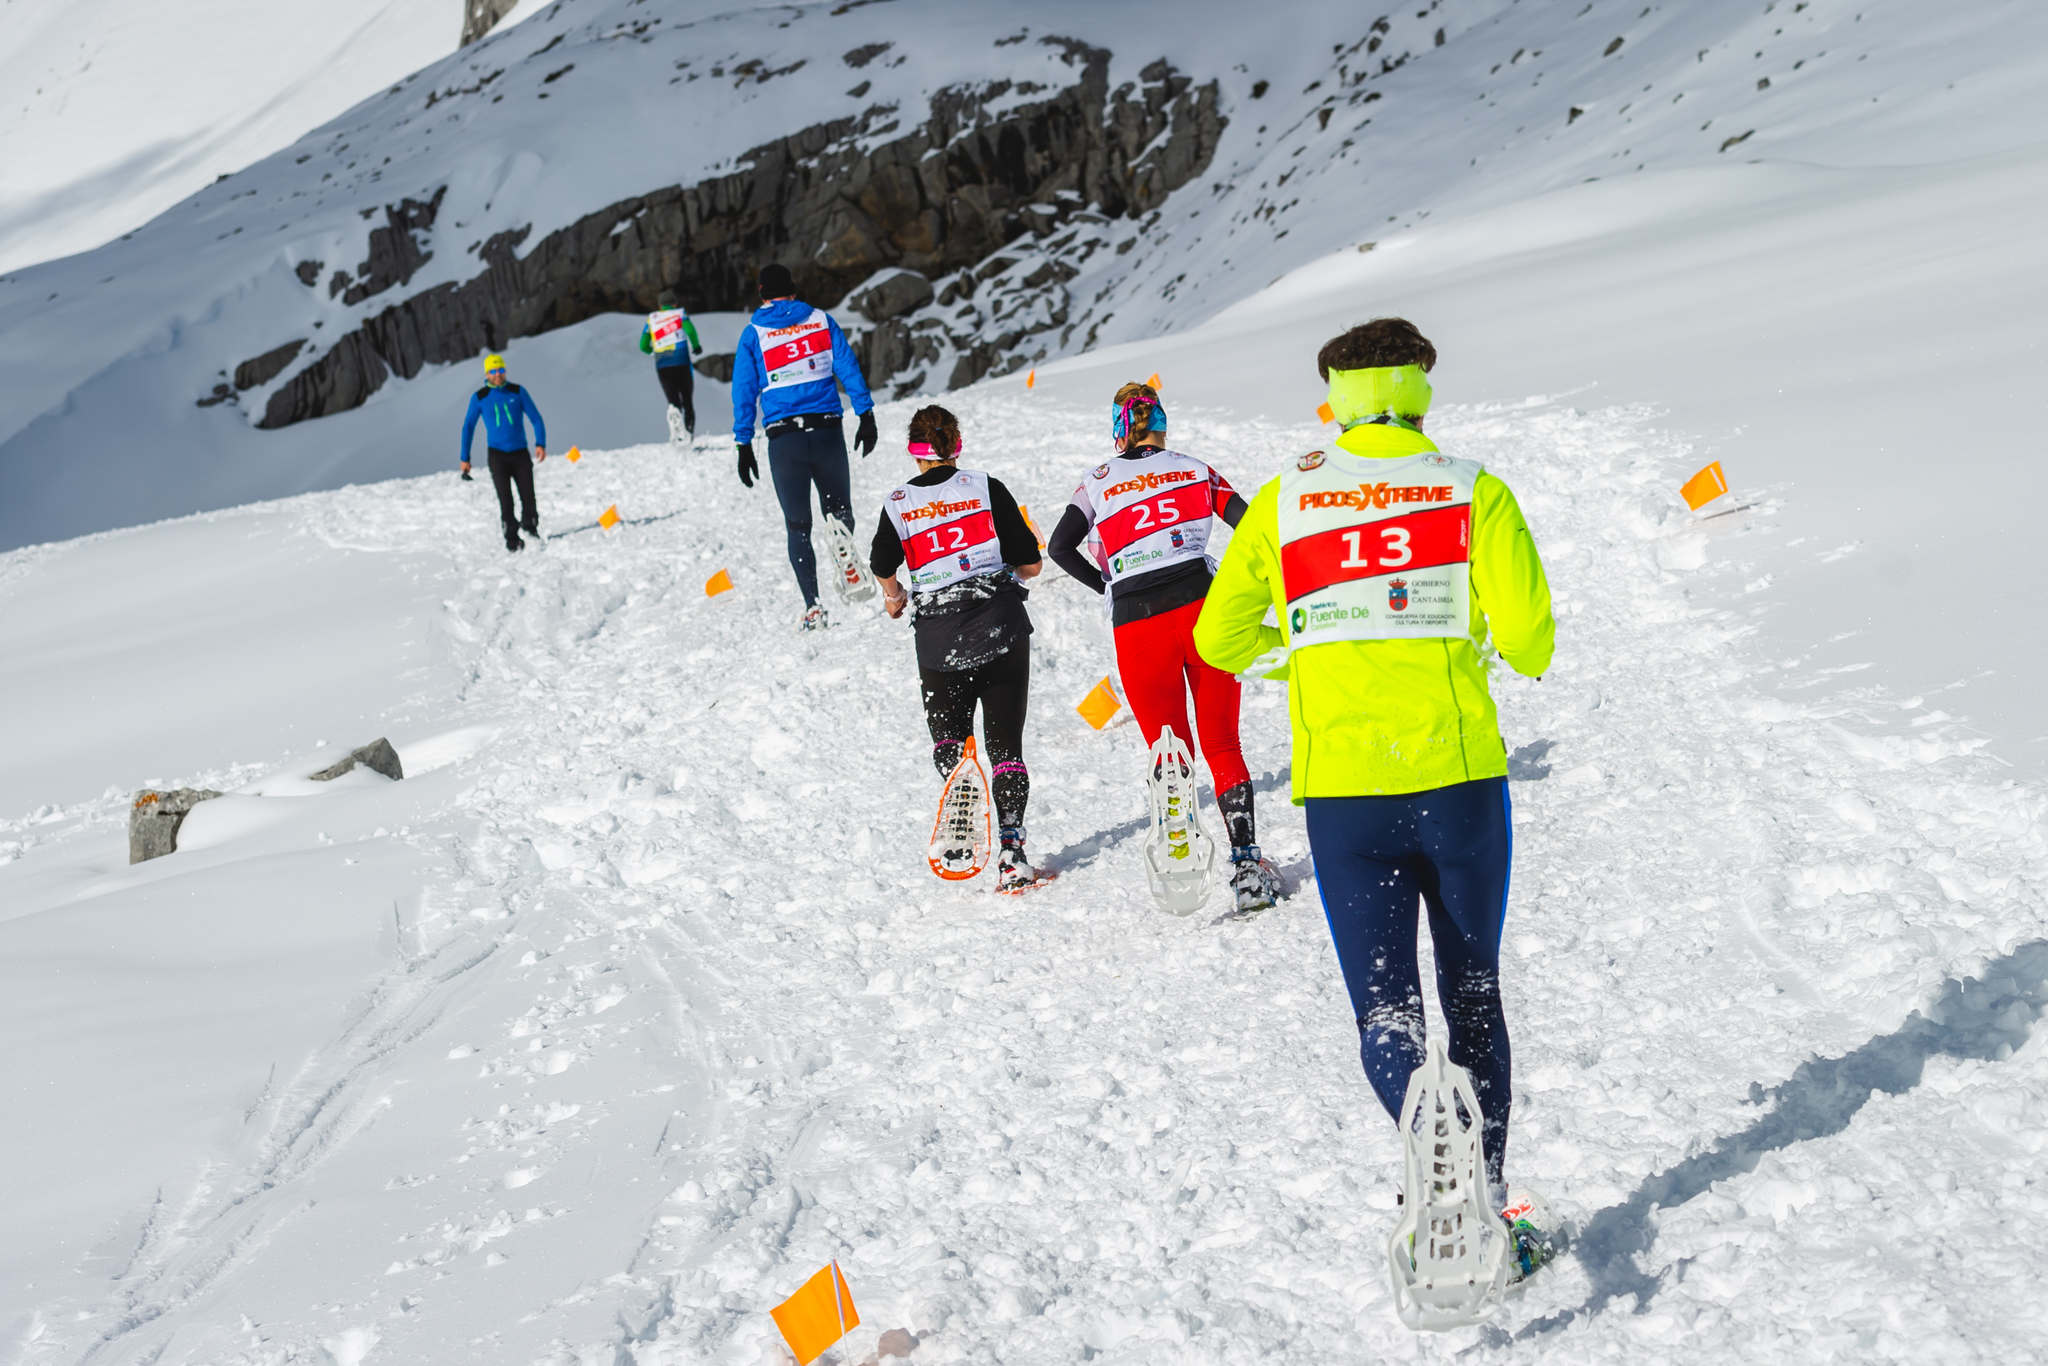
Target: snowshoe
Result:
[678, 431]
[813, 619]
[1449, 1253]
[960, 834]
[1534, 1229]
[1178, 854]
[1014, 872]
[1254, 882]
[854, 582]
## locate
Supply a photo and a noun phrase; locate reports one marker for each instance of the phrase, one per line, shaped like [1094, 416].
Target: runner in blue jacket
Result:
[504, 408]
[787, 360]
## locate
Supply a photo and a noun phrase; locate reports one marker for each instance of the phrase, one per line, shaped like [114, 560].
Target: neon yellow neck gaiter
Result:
[1359, 395]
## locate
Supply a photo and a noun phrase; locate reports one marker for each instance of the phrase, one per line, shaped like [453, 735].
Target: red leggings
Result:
[1156, 659]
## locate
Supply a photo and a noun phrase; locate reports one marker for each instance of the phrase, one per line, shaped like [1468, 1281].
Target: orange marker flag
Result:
[721, 582]
[1031, 380]
[1325, 413]
[609, 518]
[1154, 381]
[1025, 512]
[1100, 706]
[1704, 487]
[575, 454]
[817, 1316]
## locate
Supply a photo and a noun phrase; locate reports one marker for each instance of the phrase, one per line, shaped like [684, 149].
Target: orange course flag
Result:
[609, 518]
[1154, 381]
[817, 1316]
[1704, 487]
[1325, 413]
[1036, 534]
[1031, 380]
[1100, 705]
[721, 582]
[575, 454]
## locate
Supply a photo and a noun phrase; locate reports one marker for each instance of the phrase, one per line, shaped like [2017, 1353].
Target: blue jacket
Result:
[504, 412]
[750, 376]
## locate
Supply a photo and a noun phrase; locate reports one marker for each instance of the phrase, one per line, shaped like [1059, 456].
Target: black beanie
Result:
[776, 281]
[669, 299]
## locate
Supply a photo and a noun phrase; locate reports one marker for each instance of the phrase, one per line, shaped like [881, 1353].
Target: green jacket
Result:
[1381, 717]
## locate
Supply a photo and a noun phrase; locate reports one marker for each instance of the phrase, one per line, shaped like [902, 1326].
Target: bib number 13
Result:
[1394, 551]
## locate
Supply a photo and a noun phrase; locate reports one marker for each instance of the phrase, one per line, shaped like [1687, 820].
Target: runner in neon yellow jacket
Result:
[1397, 751]
[1387, 716]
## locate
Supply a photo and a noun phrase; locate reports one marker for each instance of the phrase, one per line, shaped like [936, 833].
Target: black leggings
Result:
[678, 385]
[510, 470]
[1003, 688]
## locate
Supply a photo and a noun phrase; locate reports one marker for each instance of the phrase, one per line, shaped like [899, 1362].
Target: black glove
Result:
[865, 436]
[748, 468]
[465, 477]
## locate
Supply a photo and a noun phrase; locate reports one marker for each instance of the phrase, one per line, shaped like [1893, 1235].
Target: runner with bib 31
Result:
[1397, 573]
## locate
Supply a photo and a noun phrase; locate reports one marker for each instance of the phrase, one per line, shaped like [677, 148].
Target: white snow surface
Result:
[633, 1004]
[116, 110]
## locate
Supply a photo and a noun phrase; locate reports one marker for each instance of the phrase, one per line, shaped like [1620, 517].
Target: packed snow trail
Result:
[679, 1014]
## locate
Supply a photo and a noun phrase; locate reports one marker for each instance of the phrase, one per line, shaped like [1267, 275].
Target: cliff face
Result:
[925, 223]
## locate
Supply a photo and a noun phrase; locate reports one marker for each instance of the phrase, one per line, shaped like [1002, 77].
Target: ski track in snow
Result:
[680, 1014]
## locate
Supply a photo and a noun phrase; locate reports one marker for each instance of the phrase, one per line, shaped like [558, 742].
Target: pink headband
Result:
[924, 450]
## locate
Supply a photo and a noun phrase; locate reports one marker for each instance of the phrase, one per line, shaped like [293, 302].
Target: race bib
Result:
[798, 354]
[1151, 512]
[665, 330]
[1377, 550]
[948, 531]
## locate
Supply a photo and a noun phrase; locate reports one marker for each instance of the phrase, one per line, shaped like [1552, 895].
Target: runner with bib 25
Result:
[1396, 572]
[1153, 512]
[965, 545]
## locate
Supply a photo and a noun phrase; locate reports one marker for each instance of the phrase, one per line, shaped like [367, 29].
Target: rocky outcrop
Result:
[854, 204]
[481, 16]
[378, 756]
[154, 819]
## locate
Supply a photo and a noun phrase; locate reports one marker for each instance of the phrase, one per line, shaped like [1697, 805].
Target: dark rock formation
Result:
[268, 366]
[892, 296]
[840, 201]
[378, 756]
[481, 16]
[154, 820]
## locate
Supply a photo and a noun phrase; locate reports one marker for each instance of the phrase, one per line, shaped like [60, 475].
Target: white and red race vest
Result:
[1376, 549]
[665, 329]
[798, 354]
[1151, 512]
[948, 530]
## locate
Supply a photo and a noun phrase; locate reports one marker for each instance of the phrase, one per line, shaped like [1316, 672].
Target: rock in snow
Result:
[154, 820]
[378, 756]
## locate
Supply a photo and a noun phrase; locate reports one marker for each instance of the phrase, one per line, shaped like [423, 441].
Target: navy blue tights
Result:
[797, 460]
[1449, 849]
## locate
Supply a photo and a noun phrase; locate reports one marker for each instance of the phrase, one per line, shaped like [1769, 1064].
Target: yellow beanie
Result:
[493, 362]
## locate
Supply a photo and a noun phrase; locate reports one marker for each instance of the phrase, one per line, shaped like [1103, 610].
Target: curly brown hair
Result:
[937, 428]
[1381, 342]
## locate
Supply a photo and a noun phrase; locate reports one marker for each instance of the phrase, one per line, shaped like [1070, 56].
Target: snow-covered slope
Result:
[117, 109]
[634, 1003]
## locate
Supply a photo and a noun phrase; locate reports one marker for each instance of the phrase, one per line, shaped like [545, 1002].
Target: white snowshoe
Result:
[854, 582]
[959, 847]
[1450, 1253]
[1178, 854]
[678, 430]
